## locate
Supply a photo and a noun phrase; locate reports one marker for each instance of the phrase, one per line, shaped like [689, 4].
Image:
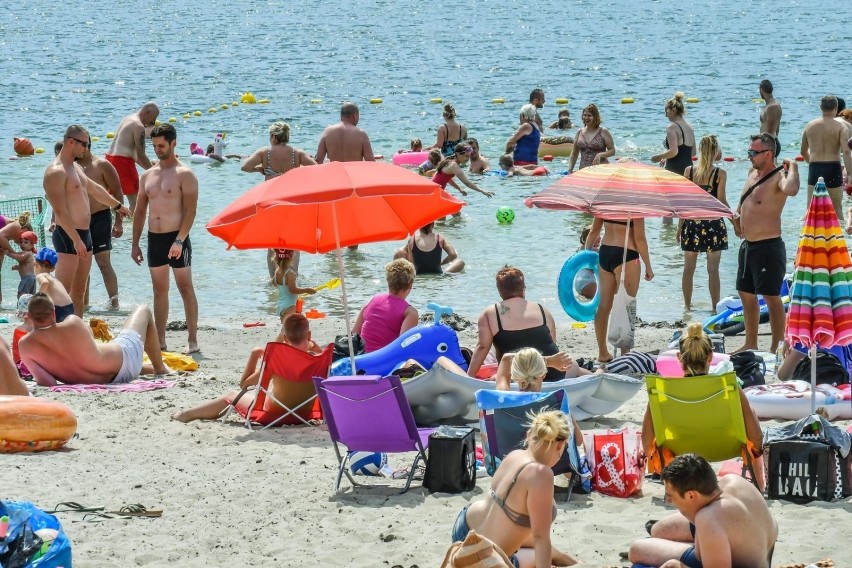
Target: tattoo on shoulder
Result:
[504, 309]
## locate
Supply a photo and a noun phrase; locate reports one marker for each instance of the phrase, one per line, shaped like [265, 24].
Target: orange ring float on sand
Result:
[29, 424]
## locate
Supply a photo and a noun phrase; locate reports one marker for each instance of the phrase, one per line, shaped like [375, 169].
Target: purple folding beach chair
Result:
[369, 413]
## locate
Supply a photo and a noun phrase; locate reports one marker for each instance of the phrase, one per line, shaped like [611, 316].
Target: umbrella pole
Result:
[343, 287]
[813, 355]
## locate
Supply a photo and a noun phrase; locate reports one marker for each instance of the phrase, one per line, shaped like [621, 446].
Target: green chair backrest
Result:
[37, 206]
[700, 415]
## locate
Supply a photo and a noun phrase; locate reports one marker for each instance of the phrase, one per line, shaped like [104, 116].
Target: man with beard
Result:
[170, 189]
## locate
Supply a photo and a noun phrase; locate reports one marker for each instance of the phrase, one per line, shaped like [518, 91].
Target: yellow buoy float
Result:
[436, 100]
[235, 103]
[248, 98]
[316, 101]
[263, 101]
[693, 100]
[757, 100]
[197, 113]
[498, 101]
[627, 101]
[39, 150]
[110, 135]
[375, 101]
[562, 101]
[156, 123]
[95, 138]
[211, 109]
[172, 119]
[225, 106]
[186, 115]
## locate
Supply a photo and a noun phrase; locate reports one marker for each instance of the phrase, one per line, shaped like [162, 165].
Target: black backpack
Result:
[451, 467]
[829, 370]
[341, 346]
[749, 367]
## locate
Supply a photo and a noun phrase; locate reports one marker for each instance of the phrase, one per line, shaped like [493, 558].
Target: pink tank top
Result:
[383, 317]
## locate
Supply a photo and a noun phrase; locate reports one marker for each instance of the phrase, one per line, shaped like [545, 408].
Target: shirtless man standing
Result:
[67, 352]
[344, 141]
[128, 149]
[763, 256]
[102, 226]
[171, 190]
[770, 116]
[720, 523]
[823, 141]
[68, 189]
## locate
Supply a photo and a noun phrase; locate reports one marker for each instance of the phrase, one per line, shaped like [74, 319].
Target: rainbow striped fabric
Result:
[821, 299]
[629, 190]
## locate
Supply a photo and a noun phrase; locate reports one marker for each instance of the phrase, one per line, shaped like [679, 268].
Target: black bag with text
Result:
[451, 467]
[806, 470]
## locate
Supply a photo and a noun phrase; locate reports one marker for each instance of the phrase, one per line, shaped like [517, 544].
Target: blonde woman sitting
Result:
[519, 510]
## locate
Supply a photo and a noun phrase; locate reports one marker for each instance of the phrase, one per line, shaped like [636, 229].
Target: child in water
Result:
[563, 121]
[507, 164]
[285, 279]
[427, 168]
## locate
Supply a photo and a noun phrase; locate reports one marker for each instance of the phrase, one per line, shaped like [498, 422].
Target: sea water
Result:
[95, 62]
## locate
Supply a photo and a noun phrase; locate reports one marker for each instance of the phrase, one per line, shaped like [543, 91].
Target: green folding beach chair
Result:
[699, 415]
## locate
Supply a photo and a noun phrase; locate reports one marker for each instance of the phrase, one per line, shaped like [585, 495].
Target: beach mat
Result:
[134, 386]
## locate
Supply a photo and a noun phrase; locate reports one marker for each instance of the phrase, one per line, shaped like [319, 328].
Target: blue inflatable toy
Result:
[729, 319]
[424, 343]
[582, 260]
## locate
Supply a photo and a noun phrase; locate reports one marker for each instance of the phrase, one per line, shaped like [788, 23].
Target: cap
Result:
[47, 255]
[30, 236]
[23, 301]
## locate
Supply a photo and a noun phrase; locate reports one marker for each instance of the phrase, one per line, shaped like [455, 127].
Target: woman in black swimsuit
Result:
[521, 497]
[516, 323]
[450, 133]
[425, 250]
[680, 138]
[611, 260]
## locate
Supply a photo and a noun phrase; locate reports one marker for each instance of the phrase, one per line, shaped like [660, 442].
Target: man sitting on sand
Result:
[720, 523]
[67, 352]
[296, 332]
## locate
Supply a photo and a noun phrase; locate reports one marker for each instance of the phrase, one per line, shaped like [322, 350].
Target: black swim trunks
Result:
[63, 243]
[830, 172]
[101, 228]
[158, 250]
[761, 266]
[610, 257]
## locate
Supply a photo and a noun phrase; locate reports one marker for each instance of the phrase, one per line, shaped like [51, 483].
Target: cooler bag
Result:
[451, 467]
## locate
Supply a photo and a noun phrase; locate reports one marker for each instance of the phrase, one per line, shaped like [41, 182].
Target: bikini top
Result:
[518, 518]
[448, 148]
[712, 185]
[268, 171]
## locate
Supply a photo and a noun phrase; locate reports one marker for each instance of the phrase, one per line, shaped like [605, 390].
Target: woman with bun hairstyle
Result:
[680, 138]
[695, 354]
[11, 230]
[450, 134]
[519, 510]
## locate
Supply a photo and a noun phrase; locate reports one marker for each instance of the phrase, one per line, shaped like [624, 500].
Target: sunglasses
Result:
[85, 144]
[755, 153]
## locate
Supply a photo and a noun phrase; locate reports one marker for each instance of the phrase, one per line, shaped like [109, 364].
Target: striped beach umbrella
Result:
[820, 312]
[628, 189]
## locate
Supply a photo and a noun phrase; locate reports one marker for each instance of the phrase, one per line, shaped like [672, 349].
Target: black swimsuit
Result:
[427, 262]
[683, 159]
[510, 341]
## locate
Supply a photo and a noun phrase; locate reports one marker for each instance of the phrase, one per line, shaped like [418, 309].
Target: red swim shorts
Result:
[127, 173]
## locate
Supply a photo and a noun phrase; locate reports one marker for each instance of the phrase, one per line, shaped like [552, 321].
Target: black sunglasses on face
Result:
[86, 144]
[755, 153]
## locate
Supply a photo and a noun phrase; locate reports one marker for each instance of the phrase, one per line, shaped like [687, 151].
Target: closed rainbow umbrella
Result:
[820, 312]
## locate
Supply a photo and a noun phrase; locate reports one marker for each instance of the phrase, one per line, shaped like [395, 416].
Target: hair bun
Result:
[694, 330]
[679, 95]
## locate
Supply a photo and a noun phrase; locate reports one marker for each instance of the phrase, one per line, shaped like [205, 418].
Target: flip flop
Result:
[191, 351]
[137, 510]
[74, 507]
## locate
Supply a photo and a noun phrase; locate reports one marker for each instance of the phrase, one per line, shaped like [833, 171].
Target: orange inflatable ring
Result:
[29, 424]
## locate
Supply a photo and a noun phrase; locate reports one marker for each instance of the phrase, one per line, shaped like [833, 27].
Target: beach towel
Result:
[134, 386]
[176, 361]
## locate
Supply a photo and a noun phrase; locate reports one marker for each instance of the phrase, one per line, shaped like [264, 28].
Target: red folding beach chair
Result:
[297, 368]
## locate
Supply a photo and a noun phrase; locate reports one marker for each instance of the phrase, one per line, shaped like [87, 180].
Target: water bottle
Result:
[820, 184]
[779, 355]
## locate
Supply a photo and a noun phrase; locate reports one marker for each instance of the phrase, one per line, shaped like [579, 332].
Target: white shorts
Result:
[132, 349]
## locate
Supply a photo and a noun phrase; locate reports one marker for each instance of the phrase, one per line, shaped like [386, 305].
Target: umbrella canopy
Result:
[329, 206]
[627, 190]
[371, 201]
[821, 299]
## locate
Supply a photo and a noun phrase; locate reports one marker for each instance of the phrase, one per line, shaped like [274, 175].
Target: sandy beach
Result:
[231, 497]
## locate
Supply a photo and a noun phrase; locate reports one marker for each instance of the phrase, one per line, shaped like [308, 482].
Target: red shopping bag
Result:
[615, 460]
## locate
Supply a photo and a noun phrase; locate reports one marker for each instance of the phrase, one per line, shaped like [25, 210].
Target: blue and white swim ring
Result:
[579, 270]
